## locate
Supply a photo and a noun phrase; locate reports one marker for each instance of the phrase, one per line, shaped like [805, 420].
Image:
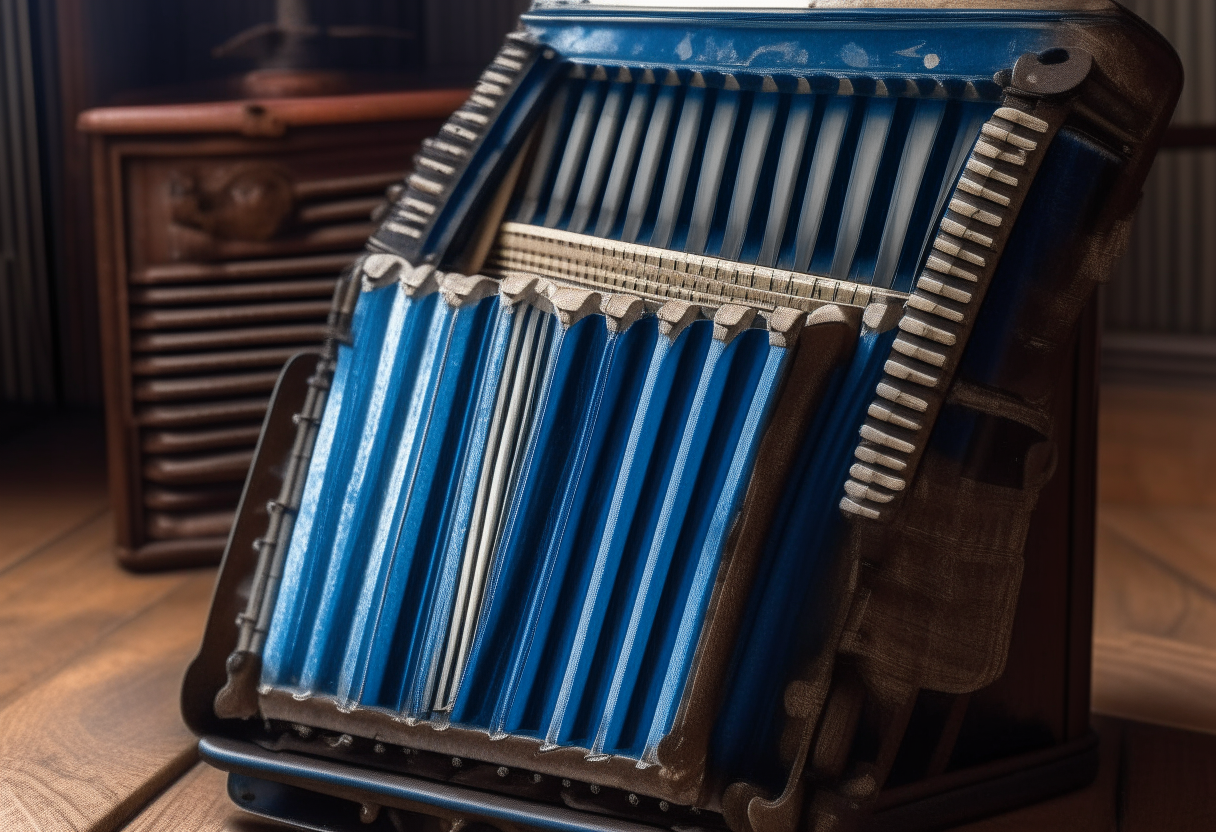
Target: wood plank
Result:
[233, 116]
[64, 600]
[1180, 538]
[199, 802]
[1157, 446]
[37, 502]
[87, 747]
[1157, 680]
[1136, 590]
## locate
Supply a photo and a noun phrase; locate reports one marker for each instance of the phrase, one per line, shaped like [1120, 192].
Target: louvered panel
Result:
[233, 293]
[162, 342]
[204, 387]
[190, 498]
[206, 413]
[161, 365]
[200, 468]
[185, 441]
[216, 316]
[166, 526]
[208, 339]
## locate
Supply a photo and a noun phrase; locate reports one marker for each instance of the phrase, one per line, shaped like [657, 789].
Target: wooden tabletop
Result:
[91, 660]
[265, 115]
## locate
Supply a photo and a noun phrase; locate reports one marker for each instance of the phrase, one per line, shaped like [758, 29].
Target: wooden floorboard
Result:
[52, 481]
[87, 747]
[1157, 446]
[91, 657]
[1182, 539]
[1155, 573]
[1157, 680]
[199, 802]
[57, 606]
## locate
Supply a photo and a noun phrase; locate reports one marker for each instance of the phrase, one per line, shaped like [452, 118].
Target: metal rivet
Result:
[566, 783]
[595, 789]
[457, 762]
[664, 805]
[536, 778]
[503, 771]
[378, 748]
[633, 800]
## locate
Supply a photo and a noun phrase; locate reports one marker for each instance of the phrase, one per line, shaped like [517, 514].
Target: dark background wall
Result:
[1160, 307]
[65, 56]
[80, 54]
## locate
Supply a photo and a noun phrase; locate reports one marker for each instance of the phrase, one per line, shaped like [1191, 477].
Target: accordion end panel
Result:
[676, 454]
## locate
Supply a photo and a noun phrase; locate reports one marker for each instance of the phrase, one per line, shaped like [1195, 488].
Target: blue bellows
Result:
[513, 522]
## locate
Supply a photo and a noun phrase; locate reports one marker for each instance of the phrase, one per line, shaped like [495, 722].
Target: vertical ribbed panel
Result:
[515, 510]
[26, 373]
[839, 184]
[1167, 282]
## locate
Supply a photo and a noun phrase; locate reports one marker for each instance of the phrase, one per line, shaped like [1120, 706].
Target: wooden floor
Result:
[1155, 596]
[91, 657]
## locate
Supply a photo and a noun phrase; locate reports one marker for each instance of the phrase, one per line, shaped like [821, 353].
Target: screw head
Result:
[503, 771]
[457, 762]
[633, 800]
[595, 789]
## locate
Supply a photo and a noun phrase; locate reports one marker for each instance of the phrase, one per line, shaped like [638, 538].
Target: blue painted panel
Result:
[403, 341]
[737, 474]
[786, 613]
[517, 560]
[579, 518]
[662, 384]
[328, 472]
[966, 44]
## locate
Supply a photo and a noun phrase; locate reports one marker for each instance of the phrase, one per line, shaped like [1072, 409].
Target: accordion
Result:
[676, 454]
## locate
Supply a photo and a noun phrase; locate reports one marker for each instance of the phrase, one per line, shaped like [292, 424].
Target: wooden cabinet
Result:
[221, 229]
